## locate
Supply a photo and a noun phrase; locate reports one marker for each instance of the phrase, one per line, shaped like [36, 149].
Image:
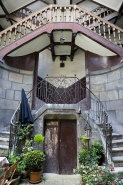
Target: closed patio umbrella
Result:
[25, 115]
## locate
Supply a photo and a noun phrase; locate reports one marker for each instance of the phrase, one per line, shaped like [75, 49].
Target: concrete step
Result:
[117, 151]
[116, 136]
[118, 161]
[4, 134]
[56, 179]
[4, 141]
[117, 143]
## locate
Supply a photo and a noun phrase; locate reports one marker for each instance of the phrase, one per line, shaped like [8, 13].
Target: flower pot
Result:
[35, 177]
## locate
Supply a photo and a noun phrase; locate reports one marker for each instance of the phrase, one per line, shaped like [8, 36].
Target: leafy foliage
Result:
[24, 131]
[28, 146]
[34, 160]
[39, 138]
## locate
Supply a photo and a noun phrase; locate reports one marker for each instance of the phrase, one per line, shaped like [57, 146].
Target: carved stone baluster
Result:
[55, 14]
[104, 12]
[74, 13]
[114, 34]
[10, 35]
[20, 30]
[65, 14]
[100, 9]
[79, 19]
[35, 21]
[4, 43]
[89, 23]
[94, 22]
[104, 30]
[15, 33]
[99, 27]
[70, 14]
[119, 36]
[46, 19]
[60, 14]
[25, 25]
[29, 25]
[40, 18]
[83, 18]
[50, 13]
[109, 32]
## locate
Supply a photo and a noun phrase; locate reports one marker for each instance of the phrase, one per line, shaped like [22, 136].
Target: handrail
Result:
[61, 13]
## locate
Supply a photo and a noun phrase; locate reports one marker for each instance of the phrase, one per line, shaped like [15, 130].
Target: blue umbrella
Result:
[25, 116]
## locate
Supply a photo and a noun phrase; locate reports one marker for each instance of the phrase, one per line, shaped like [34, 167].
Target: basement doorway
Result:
[60, 146]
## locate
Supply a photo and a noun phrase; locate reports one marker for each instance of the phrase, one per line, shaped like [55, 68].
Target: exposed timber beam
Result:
[6, 12]
[54, 1]
[2, 16]
[52, 46]
[70, 1]
[72, 46]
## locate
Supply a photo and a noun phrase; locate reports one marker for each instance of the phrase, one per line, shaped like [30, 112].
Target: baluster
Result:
[104, 30]
[29, 23]
[99, 27]
[94, 24]
[25, 27]
[83, 18]
[89, 22]
[20, 30]
[74, 13]
[119, 37]
[104, 12]
[109, 32]
[26, 13]
[60, 14]
[79, 19]
[35, 21]
[114, 34]
[40, 20]
[55, 14]
[65, 14]
[15, 33]
[100, 9]
[22, 13]
[50, 14]
[10, 35]
[4, 43]
[69, 14]
[46, 19]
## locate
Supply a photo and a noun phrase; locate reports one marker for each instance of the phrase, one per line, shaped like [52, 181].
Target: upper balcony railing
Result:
[61, 13]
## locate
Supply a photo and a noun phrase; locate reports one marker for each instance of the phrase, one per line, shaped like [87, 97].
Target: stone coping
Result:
[92, 73]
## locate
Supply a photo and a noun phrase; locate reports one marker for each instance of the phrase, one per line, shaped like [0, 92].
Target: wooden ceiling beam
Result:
[52, 45]
[2, 16]
[6, 12]
[72, 46]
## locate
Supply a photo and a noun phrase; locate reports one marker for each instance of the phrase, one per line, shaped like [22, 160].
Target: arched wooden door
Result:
[60, 146]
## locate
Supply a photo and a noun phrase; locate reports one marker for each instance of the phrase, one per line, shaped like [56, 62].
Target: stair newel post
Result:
[50, 14]
[4, 44]
[106, 141]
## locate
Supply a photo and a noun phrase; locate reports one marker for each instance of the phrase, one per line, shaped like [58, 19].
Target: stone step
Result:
[56, 179]
[4, 141]
[117, 143]
[116, 136]
[119, 171]
[118, 161]
[4, 134]
[117, 151]
[4, 149]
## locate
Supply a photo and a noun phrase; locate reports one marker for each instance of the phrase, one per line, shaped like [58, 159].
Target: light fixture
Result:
[62, 39]
[88, 132]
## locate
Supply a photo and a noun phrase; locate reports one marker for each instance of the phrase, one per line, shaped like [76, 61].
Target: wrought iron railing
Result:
[67, 90]
[61, 13]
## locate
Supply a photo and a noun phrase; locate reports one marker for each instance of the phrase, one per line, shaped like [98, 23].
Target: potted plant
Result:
[39, 139]
[34, 160]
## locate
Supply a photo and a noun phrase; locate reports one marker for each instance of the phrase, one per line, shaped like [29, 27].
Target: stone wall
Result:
[11, 83]
[107, 85]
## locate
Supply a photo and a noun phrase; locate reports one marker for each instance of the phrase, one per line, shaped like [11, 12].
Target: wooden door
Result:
[60, 146]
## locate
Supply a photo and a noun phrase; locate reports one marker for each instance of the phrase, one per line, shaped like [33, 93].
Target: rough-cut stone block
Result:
[120, 94]
[112, 116]
[15, 77]
[5, 84]
[98, 79]
[95, 88]
[119, 116]
[114, 85]
[17, 95]
[5, 117]
[103, 96]
[8, 104]
[114, 105]
[113, 95]
[26, 72]
[5, 75]
[18, 87]
[1, 72]
[2, 93]
[27, 79]
[114, 75]
[121, 71]
[9, 94]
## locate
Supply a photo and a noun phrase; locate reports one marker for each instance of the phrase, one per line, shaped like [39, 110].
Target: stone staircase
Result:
[4, 142]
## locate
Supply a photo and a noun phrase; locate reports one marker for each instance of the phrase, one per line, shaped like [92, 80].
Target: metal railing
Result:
[68, 90]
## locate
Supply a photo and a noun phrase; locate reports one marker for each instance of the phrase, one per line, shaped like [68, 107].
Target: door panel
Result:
[68, 146]
[60, 146]
[51, 147]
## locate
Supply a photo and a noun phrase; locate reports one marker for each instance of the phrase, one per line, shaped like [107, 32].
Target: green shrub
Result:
[34, 160]
[39, 138]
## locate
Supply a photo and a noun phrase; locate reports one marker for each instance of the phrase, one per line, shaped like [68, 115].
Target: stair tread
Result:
[116, 134]
[4, 146]
[117, 149]
[117, 141]
[4, 132]
[4, 139]
[118, 158]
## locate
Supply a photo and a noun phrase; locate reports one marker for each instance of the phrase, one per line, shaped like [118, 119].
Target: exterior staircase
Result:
[28, 28]
[4, 142]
